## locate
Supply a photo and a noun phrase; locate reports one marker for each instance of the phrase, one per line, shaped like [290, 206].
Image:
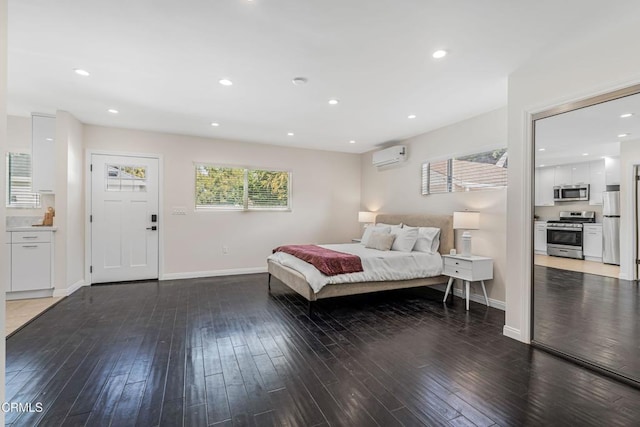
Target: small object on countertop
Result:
[48, 217]
[452, 252]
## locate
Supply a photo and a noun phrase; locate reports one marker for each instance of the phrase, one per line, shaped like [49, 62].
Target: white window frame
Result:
[245, 197]
[10, 205]
[425, 184]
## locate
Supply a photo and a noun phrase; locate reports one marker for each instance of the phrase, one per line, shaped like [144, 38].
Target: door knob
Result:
[153, 228]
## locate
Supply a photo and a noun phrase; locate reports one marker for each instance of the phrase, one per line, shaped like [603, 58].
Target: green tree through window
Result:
[240, 188]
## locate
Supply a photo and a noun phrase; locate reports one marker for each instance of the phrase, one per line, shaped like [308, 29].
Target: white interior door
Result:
[124, 205]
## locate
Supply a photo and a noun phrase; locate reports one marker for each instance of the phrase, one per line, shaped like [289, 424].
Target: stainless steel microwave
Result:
[571, 193]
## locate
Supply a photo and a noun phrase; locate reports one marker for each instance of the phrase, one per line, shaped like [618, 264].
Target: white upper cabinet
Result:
[580, 173]
[612, 170]
[545, 180]
[43, 153]
[597, 176]
[563, 175]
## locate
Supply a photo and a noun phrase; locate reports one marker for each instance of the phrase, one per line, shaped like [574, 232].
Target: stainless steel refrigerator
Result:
[611, 227]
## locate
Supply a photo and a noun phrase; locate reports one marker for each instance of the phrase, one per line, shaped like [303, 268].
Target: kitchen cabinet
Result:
[31, 260]
[545, 180]
[612, 170]
[43, 134]
[540, 238]
[596, 181]
[563, 175]
[580, 173]
[592, 242]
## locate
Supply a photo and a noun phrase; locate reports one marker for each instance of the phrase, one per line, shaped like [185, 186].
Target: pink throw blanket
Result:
[327, 261]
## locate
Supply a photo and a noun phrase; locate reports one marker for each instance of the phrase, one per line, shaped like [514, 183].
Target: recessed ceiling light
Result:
[333, 101]
[290, 134]
[411, 116]
[622, 135]
[225, 82]
[625, 115]
[299, 81]
[49, 139]
[214, 124]
[542, 166]
[541, 149]
[439, 54]
[352, 142]
[585, 154]
[81, 72]
[113, 111]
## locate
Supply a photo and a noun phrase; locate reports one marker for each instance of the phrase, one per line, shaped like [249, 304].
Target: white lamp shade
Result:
[366, 217]
[466, 220]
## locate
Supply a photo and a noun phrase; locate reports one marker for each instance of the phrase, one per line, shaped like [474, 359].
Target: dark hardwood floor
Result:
[594, 317]
[221, 351]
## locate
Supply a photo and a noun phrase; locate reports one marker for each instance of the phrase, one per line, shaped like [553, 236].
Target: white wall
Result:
[397, 189]
[598, 63]
[73, 260]
[3, 144]
[629, 158]
[325, 188]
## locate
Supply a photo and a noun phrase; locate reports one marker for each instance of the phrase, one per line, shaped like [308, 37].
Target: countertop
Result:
[32, 228]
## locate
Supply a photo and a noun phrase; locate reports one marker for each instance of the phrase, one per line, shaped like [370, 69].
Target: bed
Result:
[295, 280]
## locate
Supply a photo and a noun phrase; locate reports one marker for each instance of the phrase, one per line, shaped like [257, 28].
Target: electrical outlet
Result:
[179, 210]
[225, 250]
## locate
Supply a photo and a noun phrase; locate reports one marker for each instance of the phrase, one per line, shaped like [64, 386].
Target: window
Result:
[125, 178]
[19, 193]
[479, 171]
[235, 188]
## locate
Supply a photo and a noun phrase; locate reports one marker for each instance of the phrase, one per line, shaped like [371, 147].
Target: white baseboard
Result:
[68, 291]
[513, 333]
[494, 303]
[213, 273]
[43, 293]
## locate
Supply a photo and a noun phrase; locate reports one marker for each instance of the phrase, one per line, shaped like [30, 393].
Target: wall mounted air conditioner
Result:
[390, 155]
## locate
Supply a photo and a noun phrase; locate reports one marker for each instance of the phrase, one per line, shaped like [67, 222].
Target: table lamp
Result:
[466, 221]
[366, 218]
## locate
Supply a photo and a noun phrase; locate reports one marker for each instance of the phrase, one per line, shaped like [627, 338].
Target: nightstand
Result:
[469, 269]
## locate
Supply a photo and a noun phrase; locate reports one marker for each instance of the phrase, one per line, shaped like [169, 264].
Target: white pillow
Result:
[369, 230]
[380, 241]
[428, 240]
[392, 226]
[405, 239]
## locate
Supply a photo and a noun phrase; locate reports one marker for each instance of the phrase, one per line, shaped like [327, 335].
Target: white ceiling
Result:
[594, 130]
[158, 62]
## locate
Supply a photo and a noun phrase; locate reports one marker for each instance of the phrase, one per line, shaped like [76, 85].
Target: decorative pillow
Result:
[380, 241]
[371, 229]
[405, 239]
[392, 226]
[428, 240]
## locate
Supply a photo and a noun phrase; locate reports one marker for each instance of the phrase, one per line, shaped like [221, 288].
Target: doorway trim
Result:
[87, 207]
[549, 112]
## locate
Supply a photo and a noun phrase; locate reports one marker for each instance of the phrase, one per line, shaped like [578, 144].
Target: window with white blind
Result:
[479, 171]
[236, 188]
[19, 192]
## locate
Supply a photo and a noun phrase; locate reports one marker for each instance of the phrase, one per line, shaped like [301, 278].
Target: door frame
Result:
[88, 200]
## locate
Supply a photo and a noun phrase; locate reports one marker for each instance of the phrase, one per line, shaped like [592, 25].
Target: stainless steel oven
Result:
[564, 236]
[565, 240]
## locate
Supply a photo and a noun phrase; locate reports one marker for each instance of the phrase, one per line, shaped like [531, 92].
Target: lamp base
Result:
[466, 244]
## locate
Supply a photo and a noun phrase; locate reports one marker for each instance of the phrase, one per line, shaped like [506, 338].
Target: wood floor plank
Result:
[222, 351]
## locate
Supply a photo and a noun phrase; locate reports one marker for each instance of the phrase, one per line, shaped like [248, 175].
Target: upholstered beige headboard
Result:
[443, 222]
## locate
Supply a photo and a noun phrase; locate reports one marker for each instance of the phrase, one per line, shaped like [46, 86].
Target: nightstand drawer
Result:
[458, 263]
[458, 272]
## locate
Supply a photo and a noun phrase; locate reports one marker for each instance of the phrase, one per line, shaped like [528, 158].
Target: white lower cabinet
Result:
[540, 238]
[592, 242]
[31, 261]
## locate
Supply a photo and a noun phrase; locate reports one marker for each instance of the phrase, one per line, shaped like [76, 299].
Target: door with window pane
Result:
[124, 223]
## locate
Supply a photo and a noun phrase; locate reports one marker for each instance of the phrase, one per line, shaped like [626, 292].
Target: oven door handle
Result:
[564, 229]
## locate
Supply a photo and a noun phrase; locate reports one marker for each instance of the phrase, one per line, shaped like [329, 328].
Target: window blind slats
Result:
[479, 171]
[19, 192]
[241, 188]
